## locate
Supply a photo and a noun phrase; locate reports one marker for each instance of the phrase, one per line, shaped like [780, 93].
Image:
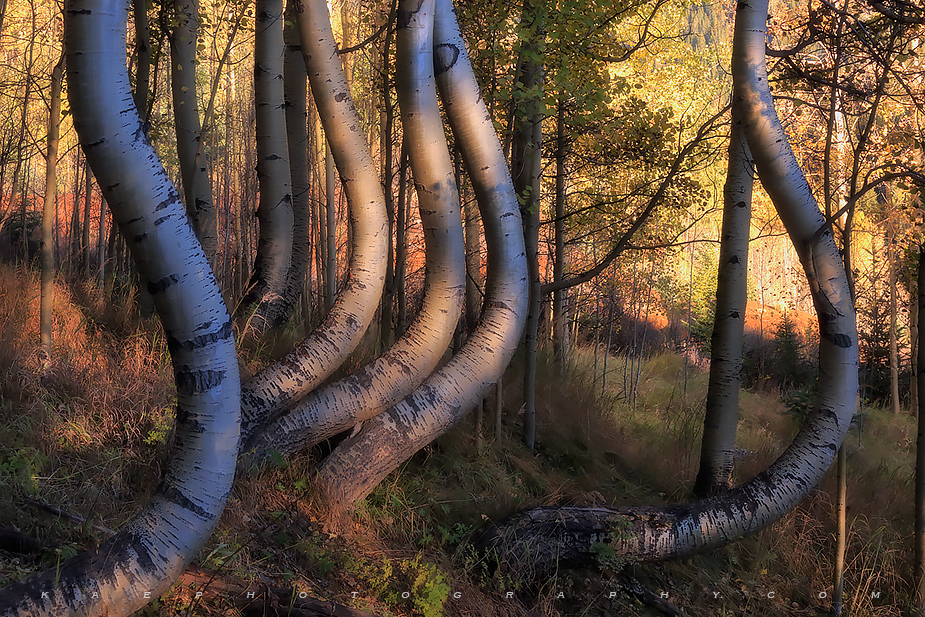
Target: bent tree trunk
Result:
[722, 413]
[540, 538]
[362, 461]
[285, 382]
[144, 559]
[384, 382]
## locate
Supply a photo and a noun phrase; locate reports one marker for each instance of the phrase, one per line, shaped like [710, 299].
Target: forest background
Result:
[629, 213]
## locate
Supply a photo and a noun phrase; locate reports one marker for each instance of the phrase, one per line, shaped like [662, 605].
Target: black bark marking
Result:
[185, 419]
[95, 143]
[405, 16]
[157, 222]
[80, 12]
[445, 57]
[157, 287]
[173, 495]
[340, 97]
[174, 198]
[196, 382]
[138, 238]
[839, 339]
[112, 186]
[173, 344]
[734, 259]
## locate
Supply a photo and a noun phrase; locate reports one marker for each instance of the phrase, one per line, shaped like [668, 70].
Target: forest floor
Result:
[87, 434]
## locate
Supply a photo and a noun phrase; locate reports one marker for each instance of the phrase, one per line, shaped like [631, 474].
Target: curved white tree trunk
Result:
[285, 382]
[362, 461]
[379, 385]
[144, 558]
[553, 536]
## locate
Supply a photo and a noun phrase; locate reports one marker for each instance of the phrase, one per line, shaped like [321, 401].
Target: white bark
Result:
[319, 354]
[274, 210]
[562, 536]
[197, 186]
[379, 385]
[722, 412]
[362, 461]
[143, 559]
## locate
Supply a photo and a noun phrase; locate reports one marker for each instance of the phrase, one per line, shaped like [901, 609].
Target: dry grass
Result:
[79, 432]
[87, 434]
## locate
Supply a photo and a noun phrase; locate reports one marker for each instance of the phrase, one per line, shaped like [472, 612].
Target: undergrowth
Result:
[88, 434]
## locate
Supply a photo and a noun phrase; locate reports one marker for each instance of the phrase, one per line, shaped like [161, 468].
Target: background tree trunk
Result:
[297, 128]
[197, 187]
[525, 169]
[722, 412]
[48, 212]
[918, 580]
[560, 333]
[274, 211]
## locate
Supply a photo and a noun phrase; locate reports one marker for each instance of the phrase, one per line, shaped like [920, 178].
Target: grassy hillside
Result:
[88, 434]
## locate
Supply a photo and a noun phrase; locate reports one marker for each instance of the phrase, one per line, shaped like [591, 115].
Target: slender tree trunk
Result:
[559, 315]
[722, 413]
[197, 186]
[143, 57]
[918, 581]
[838, 577]
[894, 346]
[274, 211]
[74, 234]
[297, 127]
[88, 202]
[386, 131]
[133, 567]
[51, 192]
[320, 213]
[330, 227]
[525, 169]
[401, 246]
[914, 344]
[363, 460]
